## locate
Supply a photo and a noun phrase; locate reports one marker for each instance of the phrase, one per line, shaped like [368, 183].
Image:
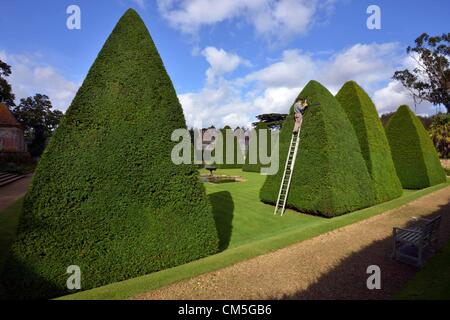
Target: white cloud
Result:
[274, 88]
[221, 62]
[366, 64]
[290, 17]
[217, 106]
[279, 20]
[276, 100]
[236, 119]
[293, 70]
[392, 96]
[371, 65]
[190, 15]
[219, 102]
[29, 76]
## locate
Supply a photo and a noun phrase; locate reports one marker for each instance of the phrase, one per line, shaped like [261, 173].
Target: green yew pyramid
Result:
[372, 139]
[106, 196]
[415, 157]
[330, 176]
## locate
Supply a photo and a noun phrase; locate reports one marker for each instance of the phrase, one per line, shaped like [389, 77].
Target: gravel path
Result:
[330, 266]
[13, 191]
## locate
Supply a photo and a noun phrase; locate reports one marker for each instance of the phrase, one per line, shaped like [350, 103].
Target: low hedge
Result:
[237, 160]
[256, 166]
[19, 158]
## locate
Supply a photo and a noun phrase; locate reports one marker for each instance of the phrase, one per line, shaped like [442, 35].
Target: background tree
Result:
[440, 134]
[430, 79]
[6, 94]
[39, 120]
[270, 120]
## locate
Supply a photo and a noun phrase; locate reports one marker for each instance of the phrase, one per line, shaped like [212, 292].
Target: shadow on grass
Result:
[348, 279]
[223, 209]
[19, 282]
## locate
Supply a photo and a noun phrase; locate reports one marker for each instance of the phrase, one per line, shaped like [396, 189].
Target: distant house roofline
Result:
[7, 119]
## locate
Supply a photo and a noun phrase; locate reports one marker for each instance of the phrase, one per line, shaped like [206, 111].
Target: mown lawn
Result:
[242, 218]
[247, 228]
[432, 282]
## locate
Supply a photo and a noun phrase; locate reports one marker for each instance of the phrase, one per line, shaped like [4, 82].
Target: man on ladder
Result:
[299, 109]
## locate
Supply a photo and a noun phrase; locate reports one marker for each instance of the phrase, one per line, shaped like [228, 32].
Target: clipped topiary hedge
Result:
[106, 196]
[372, 139]
[330, 176]
[414, 155]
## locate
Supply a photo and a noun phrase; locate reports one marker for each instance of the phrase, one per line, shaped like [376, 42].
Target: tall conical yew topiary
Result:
[372, 139]
[106, 196]
[415, 157]
[330, 177]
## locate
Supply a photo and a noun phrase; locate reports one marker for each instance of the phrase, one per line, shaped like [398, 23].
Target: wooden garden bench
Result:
[411, 243]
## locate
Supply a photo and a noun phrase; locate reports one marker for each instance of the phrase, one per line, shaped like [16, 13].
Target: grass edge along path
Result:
[132, 287]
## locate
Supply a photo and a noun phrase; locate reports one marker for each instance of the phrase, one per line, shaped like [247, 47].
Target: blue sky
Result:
[229, 60]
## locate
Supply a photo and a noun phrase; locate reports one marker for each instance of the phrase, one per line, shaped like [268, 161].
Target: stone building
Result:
[12, 141]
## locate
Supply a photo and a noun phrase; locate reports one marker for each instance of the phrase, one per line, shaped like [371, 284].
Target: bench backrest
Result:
[431, 228]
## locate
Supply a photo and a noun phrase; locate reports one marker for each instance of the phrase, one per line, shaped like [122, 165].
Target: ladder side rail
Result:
[284, 175]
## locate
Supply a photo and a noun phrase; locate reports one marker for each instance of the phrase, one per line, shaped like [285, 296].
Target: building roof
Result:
[7, 119]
